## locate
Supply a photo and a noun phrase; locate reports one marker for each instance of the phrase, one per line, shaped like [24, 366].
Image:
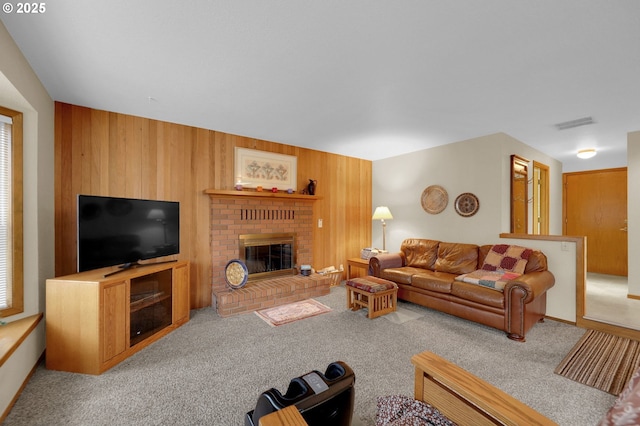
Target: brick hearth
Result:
[236, 213]
[272, 292]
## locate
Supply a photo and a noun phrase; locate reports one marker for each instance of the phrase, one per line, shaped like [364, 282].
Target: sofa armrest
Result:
[533, 284]
[465, 398]
[383, 261]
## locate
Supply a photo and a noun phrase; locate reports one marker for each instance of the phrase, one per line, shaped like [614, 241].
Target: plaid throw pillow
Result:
[505, 257]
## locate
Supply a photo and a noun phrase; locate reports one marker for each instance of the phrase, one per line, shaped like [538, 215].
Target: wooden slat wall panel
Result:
[106, 153]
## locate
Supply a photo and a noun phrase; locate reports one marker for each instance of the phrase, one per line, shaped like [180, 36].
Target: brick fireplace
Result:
[238, 213]
[268, 255]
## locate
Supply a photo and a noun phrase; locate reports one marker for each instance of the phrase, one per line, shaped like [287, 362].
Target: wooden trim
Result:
[288, 416]
[17, 224]
[542, 195]
[519, 164]
[467, 399]
[263, 194]
[14, 333]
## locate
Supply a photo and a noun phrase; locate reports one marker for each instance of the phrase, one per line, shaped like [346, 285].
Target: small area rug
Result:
[602, 361]
[295, 311]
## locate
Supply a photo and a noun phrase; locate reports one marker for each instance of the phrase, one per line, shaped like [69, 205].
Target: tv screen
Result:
[122, 231]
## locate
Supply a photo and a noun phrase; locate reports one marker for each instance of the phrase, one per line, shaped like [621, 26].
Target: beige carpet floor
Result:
[211, 370]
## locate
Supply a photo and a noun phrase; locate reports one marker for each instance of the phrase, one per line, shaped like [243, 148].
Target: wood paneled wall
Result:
[111, 154]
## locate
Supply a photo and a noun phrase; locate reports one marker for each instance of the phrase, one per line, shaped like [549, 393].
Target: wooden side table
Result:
[356, 262]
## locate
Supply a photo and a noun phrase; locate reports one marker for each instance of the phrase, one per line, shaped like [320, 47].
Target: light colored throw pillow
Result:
[505, 257]
[626, 409]
[496, 280]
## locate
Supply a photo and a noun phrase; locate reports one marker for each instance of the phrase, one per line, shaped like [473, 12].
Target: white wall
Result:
[480, 166]
[21, 90]
[561, 298]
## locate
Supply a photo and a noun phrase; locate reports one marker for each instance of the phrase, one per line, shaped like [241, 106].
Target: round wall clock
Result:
[434, 199]
[236, 273]
[467, 204]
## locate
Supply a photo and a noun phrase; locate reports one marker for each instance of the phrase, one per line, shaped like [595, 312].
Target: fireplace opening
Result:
[268, 255]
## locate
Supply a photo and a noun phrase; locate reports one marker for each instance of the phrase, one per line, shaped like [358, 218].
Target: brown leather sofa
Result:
[426, 271]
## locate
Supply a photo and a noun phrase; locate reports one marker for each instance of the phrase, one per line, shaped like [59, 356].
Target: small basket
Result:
[336, 277]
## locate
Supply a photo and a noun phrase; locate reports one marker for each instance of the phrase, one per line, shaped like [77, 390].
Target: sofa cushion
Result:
[420, 253]
[479, 294]
[457, 258]
[492, 279]
[439, 282]
[505, 257]
[400, 275]
[371, 284]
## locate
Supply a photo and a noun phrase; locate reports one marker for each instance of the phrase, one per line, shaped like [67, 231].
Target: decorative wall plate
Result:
[236, 273]
[467, 204]
[434, 199]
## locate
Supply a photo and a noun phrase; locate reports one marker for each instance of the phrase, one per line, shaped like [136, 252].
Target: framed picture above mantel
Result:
[254, 168]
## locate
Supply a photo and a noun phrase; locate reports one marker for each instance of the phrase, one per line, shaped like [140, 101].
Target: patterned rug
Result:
[602, 361]
[285, 314]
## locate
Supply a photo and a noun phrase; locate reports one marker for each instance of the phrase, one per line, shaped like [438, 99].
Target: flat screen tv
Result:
[123, 231]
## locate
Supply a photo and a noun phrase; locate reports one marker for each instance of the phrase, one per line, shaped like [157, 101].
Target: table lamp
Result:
[382, 213]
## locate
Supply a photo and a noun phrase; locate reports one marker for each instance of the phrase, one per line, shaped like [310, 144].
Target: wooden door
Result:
[114, 315]
[595, 205]
[180, 294]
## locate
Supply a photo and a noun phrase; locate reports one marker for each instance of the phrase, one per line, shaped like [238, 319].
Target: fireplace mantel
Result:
[264, 194]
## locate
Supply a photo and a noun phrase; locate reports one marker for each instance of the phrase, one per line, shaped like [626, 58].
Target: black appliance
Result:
[122, 231]
[321, 399]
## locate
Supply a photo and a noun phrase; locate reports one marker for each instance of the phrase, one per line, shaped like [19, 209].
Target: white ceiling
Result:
[364, 78]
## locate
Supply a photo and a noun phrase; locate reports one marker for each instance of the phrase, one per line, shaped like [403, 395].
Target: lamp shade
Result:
[382, 213]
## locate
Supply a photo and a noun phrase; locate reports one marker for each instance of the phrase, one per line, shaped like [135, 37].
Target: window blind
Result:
[5, 211]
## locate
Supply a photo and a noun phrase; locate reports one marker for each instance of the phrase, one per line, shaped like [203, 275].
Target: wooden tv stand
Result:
[94, 322]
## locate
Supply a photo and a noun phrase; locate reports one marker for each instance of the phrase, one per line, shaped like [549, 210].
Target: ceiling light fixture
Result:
[587, 153]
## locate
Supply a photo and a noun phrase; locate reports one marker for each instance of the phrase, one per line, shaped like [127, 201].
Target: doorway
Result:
[540, 207]
[595, 205]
